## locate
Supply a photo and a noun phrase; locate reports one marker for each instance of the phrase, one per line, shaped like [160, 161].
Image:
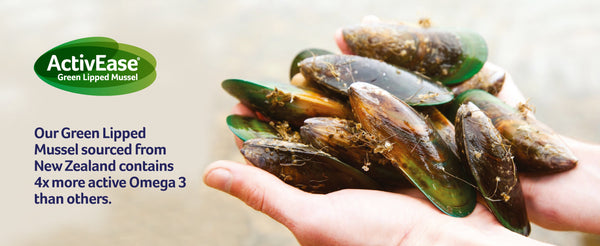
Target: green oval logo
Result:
[97, 66]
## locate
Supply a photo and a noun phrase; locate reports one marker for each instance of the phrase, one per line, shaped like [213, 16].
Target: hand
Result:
[356, 217]
[353, 217]
[562, 201]
[366, 217]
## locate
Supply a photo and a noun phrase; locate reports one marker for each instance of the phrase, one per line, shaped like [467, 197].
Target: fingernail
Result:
[219, 178]
[341, 43]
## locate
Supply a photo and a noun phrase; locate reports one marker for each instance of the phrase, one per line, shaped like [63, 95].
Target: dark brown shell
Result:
[338, 72]
[536, 148]
[304, 167]
[442, 125]
[492, 166]
[346, 140]
[450, 56]
[413, 146]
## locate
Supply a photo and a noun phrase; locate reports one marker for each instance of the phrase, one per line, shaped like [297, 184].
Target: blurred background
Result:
[551, 48]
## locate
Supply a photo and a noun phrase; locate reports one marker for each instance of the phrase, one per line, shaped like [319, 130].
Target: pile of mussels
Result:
[379, 119]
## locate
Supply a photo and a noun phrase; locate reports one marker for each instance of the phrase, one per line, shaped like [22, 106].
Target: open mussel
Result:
[412, 145]
[536, 147]
[490, 161]
[338, 72]
[284, 102]
[304, 167]
[346, 140]
[450, 56]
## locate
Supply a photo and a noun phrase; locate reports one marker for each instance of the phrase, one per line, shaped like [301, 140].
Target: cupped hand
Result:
[566, 200]
[351, 216]
[562, 201]
[368, 217]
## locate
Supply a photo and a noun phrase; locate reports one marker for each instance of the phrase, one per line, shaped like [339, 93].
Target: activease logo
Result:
[97, 66]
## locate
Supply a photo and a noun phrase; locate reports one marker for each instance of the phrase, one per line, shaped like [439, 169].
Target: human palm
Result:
[351, 216]
[562, 201]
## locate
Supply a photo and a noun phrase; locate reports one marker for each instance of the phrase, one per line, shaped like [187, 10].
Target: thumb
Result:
[258, 189]
[341, 43]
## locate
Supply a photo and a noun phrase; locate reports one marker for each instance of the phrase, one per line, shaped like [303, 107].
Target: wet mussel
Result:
[536, 147]
[303, 166]
[307, 53]
[285, 102]
[348, 141]
[447, 55]
[337, 72]
[482, 148]
[357, 122]
[414, 147]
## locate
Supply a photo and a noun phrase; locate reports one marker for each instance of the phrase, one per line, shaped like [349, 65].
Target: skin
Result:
[562, 201]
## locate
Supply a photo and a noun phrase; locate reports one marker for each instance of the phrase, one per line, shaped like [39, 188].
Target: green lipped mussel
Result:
[490, 161]
[304, 167]
[536, 147]
[338, 72]
[414, 147]
[451, 56]
[284, 102]
[245, 127]
[441, 124]
[346, 140]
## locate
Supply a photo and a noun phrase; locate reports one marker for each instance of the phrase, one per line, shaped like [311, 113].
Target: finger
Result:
[341, 43]
[258, 189]
[510, 94]
[240, 109]
[339, 36]
[238, 142]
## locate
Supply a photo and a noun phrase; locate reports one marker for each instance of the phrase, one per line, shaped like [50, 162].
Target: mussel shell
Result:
[493, 169]
[415, 148]
[536, 148]
[304, 167]
[451, 56]
[284, 102]
[442, 125]
[306, 53]
[345, 140]
[338, 72]
[245, 127]
[490, 78]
